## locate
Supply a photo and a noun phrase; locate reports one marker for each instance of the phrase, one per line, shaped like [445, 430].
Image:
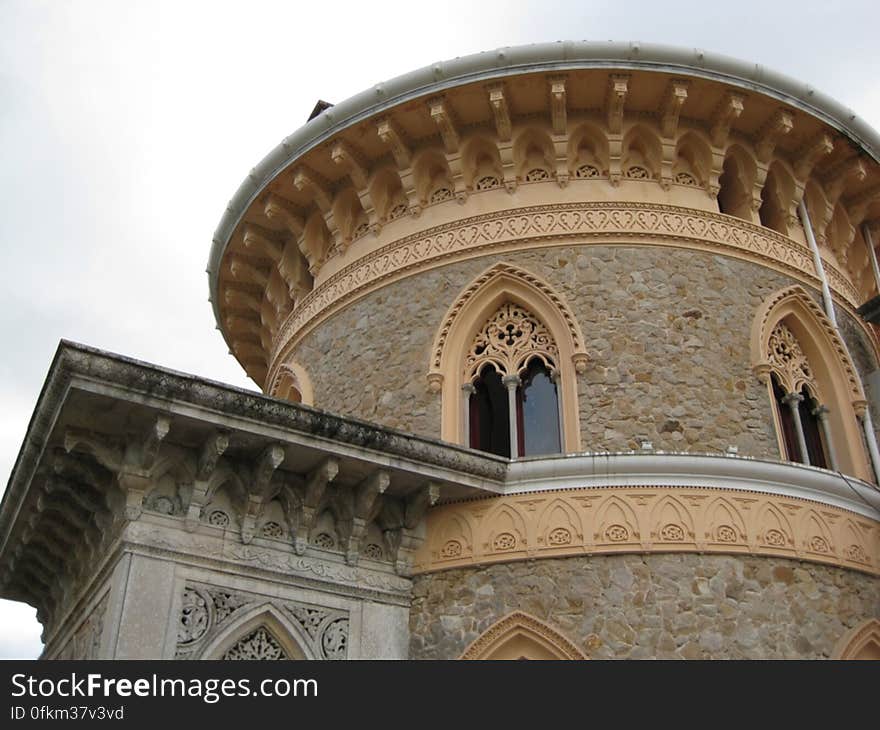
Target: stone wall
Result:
[650, 606]
[667, 331]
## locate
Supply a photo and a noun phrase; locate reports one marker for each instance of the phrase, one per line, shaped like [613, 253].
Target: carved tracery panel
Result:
[788, 360]
[508, 340]
[259, 645]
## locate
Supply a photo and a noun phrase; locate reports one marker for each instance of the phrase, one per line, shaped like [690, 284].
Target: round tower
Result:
[634, 274]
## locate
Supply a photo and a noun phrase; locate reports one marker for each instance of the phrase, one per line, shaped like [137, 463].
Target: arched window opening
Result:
[786, 421]
[489, 413]
[803, 419]
[538, 411]
[512, 400]
[810, 411]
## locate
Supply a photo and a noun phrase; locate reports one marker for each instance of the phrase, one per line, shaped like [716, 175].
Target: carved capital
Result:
[779, 125]
[841, 174]
[308, 181]
[727, 112]
[391, 136]
[210, 454]
[558, 108]
[244, 272]
[313, 494]
[263, 242]
[347, 158]
[811, 153]
[580, 361]
[762, 372]
[498, 102]
[618, 87]
[676, 95]
[442, 116]
[435, 382]
[279, 209]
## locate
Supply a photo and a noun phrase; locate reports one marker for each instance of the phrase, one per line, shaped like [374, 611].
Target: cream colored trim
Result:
[292, 376]
[521, 636]
[637, 519]
[505, 282]
[834, 373]
[552, 225]
[861, 642]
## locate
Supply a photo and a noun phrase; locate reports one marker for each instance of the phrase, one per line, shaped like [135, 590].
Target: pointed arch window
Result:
[512, 403]
[802, 417]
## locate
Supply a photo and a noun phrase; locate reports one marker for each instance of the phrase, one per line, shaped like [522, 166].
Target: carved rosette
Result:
[206, 612]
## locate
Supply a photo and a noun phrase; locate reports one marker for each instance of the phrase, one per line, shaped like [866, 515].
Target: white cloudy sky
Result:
[125, 127]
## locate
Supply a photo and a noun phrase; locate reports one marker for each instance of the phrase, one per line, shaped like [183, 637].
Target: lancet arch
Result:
[263, 632]
[797, 352]
[522, 636]
[499, 285]
[861, 642]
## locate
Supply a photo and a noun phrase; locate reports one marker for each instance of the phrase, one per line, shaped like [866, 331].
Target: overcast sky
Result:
[125, 127]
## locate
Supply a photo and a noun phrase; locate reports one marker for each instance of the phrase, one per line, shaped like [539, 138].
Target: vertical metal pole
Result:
[817, 262]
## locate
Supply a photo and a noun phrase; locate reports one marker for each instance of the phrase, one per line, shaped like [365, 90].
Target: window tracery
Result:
[802, 417]
[510, 376]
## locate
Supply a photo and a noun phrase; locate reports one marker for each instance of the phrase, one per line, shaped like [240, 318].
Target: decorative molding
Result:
[861, 642]
[637, 519]
[504, 285]
[551, 225]
[530, 630]
[208, 611]
[508, 340]
[796, 300]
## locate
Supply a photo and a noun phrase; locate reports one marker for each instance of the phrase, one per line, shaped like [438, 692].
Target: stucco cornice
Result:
[545, 57]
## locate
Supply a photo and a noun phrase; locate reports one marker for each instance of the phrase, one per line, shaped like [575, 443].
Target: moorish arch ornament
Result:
[793, 340]
[522, 636]
[501, 296]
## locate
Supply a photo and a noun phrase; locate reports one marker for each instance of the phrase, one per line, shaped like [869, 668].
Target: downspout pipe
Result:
[817, 263]
[866, 419]
[867, 425]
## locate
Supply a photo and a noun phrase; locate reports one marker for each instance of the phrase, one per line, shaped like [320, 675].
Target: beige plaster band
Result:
[645, 520]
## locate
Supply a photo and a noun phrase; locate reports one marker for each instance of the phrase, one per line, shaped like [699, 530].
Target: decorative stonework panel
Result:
[552, 225]
[259, 645]
[640, 520]
[207, 611]
[508, 340]
[788, 360]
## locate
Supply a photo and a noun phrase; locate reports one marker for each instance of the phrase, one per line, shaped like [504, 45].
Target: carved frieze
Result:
[603, 521]
[208, 611]
[547, 226]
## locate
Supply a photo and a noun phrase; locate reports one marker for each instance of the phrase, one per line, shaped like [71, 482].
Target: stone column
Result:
[512, 382]
[821, 414]
[557, 381]
[467, 390]
[793, 401]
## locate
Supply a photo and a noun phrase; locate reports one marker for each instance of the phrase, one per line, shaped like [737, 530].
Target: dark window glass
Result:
[538, 412]
[786, 418]
[489, 412]
[812, 431]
